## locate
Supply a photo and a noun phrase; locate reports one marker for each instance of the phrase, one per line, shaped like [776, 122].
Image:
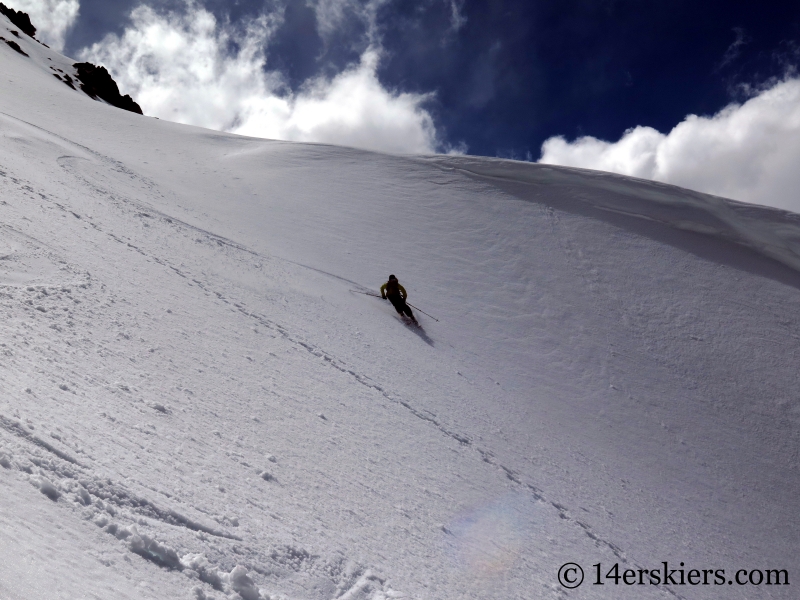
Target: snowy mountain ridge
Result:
[771, 231]
[194, 403]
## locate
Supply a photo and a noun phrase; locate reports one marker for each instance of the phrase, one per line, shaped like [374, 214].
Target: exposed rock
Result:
[98, 83]
[14, 45]
[19, 18]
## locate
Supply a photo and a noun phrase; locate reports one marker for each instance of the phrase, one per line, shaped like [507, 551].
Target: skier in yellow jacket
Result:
[396, 294]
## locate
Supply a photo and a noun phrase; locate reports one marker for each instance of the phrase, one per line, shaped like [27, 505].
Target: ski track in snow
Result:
[74, 479]
[91, 489]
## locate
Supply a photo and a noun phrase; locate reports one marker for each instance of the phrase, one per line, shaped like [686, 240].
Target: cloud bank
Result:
[748, 152]
[52, 18]
[190, 68]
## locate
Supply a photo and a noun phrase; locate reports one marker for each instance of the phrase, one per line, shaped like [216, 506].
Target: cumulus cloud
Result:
[52, 18]
[747, 152]
[352, 109]
[190, 68]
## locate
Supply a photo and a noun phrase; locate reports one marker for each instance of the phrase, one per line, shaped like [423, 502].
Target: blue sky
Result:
[519, 71]
[487, 77]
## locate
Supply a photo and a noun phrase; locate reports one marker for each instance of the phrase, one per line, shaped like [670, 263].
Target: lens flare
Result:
[487, 541]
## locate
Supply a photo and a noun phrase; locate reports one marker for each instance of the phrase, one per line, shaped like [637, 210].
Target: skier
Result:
[396, 294]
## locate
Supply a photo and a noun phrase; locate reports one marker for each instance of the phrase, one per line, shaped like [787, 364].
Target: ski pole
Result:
[422, 311]
[409, 303]
[366, 293]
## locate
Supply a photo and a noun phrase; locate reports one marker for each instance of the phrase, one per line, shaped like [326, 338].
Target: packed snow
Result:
[198, 401]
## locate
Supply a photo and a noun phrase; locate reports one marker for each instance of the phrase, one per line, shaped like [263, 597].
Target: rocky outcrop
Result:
[98, 84]
[95, 81]
[14, 46]
[19, 18]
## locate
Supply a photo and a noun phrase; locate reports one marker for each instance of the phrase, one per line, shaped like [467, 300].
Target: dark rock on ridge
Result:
[14, 46]
[95, 81]
[65, 79]
[19, 18]
[98, 83]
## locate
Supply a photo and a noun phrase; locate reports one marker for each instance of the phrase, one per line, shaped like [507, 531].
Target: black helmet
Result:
[392, 277]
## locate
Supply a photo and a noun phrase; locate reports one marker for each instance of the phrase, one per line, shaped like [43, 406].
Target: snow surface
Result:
[195, 404]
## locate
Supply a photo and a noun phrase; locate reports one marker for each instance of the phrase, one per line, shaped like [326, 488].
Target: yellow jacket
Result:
[403, 293]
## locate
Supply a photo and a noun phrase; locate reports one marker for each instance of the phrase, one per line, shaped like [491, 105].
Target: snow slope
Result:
[194, 403]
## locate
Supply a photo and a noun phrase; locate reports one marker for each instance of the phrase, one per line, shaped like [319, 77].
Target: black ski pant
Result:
[400, 305]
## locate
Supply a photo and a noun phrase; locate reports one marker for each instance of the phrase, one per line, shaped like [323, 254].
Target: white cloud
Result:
[352, 109]
[192, 69]
[52, 18]
[747, 152]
